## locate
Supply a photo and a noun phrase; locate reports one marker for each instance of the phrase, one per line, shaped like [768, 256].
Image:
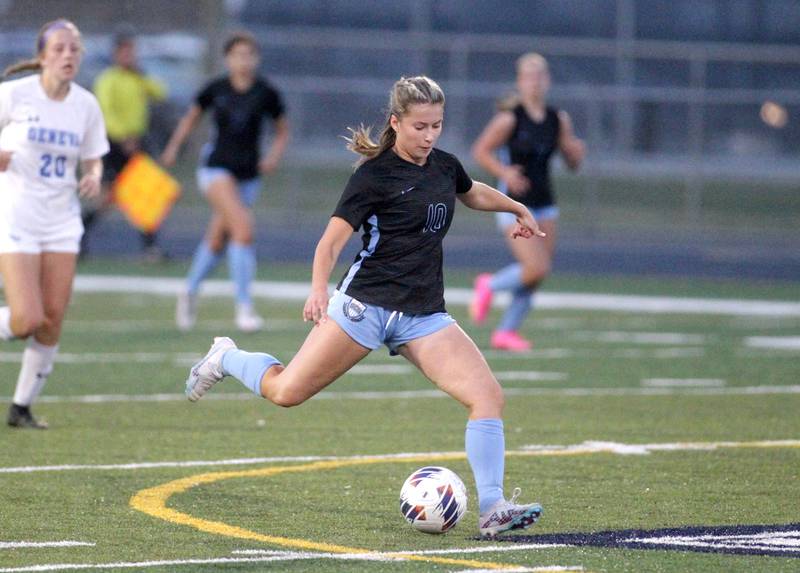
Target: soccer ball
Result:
[433, 499]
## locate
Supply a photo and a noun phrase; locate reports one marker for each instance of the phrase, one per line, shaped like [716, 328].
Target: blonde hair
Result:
[405, 93]
[34, 64]
[513, 99]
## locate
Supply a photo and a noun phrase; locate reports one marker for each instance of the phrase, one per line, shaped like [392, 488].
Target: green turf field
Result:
[718, 410]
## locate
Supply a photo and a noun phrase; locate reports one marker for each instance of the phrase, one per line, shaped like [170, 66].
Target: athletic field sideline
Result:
[660, 433]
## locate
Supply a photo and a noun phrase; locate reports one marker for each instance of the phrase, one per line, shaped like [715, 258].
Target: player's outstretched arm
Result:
[91, 174]
[482, 197]
[327, 253]
[271, 160]
[185, 126]
[571, 148]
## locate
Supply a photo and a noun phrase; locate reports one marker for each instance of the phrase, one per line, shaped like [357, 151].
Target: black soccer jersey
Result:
[405, 210]
[531, 145]
[238, 120]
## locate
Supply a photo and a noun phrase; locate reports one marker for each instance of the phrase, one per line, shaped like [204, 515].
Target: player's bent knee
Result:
[532, 276]
[287, 398]
[26, 324]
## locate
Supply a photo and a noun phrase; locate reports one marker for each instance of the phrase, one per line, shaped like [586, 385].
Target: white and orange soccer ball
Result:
[433, 499]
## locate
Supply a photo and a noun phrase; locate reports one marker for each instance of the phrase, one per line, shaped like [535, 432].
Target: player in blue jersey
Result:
[402, 197]
[229, 173]
[516, 147]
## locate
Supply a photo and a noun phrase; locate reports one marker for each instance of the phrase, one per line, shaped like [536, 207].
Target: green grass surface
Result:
[125, 345]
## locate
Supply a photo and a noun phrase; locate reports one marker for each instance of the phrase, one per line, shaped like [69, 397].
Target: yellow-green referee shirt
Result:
[124, 95]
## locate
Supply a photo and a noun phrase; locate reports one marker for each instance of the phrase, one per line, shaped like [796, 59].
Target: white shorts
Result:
[64, 240]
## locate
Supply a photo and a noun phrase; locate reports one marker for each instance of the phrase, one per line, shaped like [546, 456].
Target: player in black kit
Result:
[525, 133]
[228, 175]
[402, 195]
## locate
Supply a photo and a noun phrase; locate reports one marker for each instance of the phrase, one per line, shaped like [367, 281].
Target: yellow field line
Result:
[153, 501]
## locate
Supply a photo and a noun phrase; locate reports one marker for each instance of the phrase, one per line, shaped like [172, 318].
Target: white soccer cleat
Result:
[186, 311]
[247, 320]
[507, 515]
[208, 371]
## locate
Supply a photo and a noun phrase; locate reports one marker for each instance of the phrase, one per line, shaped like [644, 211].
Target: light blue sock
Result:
[242, 266]
[203, 263]
[520, 306]
[486, 450]
[248, 367]
[507, 278]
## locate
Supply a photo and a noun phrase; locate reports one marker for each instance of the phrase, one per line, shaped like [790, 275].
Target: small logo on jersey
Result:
[33, 118]
[408, 190]
[354, 310]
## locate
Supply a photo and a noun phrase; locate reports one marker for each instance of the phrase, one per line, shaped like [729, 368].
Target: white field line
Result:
[533, 353]
[37, 544]
[427, 394]
[189, 358]
[456, 551]
[619, 336]
[773, 342]
[147, 325]
[662, 353]
[683, 382]
[529, 375]
[274, 557]
[113, 357]
[588, 447]
[460, 296]
[596, 447]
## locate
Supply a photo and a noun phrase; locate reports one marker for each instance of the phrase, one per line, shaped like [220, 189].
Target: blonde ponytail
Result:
[23, 66]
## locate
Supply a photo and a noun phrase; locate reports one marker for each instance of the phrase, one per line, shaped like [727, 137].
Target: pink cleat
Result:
[509, 340]
[481, 298]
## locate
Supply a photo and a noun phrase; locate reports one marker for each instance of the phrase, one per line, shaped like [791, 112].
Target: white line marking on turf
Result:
[596, 447]
[267, 558]
[529, 375]
[616, 336]
[773, 342]
[578, 301]
[588, 447]
[36, 544]
[784, 540]
[463, 551]
[112, 357]
[683, 382]
[146, 325]
[426, 394]
[534, 353]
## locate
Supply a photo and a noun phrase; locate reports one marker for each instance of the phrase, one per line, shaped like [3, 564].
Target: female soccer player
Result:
[48, 126]
[527, 132]
[402, 196]
[229, 173]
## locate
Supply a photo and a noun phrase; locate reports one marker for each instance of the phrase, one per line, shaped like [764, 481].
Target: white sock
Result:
[5, 324]
[37, 364]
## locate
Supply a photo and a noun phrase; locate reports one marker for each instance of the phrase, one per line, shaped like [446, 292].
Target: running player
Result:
[516, 147]
[49, 127]
[403, 197]
[228, 175]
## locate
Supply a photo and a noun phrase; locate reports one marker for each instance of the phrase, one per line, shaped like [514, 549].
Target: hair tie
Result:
[57, 25]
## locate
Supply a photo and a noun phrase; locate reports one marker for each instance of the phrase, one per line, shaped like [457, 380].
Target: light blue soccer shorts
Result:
[371, 325]
[248, 189]
[505, 220]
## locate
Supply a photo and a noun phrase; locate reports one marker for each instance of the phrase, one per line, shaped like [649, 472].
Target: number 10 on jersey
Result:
[437, 215]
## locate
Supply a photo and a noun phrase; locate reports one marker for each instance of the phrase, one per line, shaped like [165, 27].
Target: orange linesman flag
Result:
[145, 192]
